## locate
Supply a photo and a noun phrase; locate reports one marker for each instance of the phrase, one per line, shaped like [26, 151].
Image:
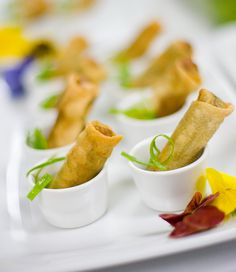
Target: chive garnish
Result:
[142, 111]
[44, 164]
[39, 186]
[36, 139]
[154, 151]
[136, 113]
[124, 75]
[41, 182]
[50, 102]
[46, 73]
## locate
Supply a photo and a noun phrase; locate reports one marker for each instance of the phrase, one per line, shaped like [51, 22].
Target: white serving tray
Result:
[128, 232]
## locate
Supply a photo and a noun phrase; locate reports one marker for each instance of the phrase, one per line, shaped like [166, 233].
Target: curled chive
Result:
[46, 73]
[50, 102]
[142, 111]
[39, 186]
[133, 159]
[154, 153]
[48, 162]
[124, 75]
[36, 139]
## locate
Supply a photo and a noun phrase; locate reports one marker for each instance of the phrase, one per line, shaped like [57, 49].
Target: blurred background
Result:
[108, 25]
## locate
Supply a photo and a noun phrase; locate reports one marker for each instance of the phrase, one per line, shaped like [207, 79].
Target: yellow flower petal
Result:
[13, 43]
[229, 181]
[226, 186]
[201, 185]
[226, 201]
[215, 180]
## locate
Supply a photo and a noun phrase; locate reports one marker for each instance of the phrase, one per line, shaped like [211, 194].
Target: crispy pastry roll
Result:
[32, 9]
[84, 4]
[73, 59]
[73, 108]
[170, 91]
[161, 64]
[196, 128]
[86, 159]
[141, 44]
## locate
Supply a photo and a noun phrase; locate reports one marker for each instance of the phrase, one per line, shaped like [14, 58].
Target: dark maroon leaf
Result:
[181, 229]
[198, 216]
[172, 218]
[204, 218]
[194, 203]
[207, 200]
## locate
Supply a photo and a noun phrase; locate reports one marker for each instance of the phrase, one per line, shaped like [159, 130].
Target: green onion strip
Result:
[154, 153]
[41, 182]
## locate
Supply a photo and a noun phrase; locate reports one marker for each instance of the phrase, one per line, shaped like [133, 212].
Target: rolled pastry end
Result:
[196, 128]
[102, 133]
[211, 99]
[88, 156]
[189, 72]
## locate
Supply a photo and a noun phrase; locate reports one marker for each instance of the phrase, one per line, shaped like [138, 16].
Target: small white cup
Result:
[165, 191]
[76, 206]
[135, 130]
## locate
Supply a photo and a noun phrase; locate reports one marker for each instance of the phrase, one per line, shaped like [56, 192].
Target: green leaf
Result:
[133, 159]
[50, 102]
[39, 186]
[48, 162]
[124, 75]
[154, 153]
[46, 73]
[141, 111]
[36, 139]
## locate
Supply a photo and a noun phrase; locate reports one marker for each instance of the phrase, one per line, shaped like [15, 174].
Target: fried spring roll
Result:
[73, 59]
[196, 128]
[171, 91]
[161, 64]
[86, 159]
[141, 44]
[73, 108]
[84, 4]
[32, 9]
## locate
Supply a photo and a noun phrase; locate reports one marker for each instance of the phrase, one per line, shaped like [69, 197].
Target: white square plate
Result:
[128, 232]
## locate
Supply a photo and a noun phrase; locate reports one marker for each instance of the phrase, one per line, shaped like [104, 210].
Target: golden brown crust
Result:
[170, 92]
[73, 59]
[141, 43]
[196, 128]
[73, 108]
[162, 63]
[86, 159]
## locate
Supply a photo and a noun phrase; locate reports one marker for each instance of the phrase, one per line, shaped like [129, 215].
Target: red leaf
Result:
[207, 200]
[205, 218]
[181, 229]
[198, 216]
[172, 218]
[202, 219]
[194, 203]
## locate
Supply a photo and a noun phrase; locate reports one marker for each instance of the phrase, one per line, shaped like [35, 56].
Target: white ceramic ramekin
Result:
[165, 191]
[33, 155]
[135, 130]
[76, 206]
